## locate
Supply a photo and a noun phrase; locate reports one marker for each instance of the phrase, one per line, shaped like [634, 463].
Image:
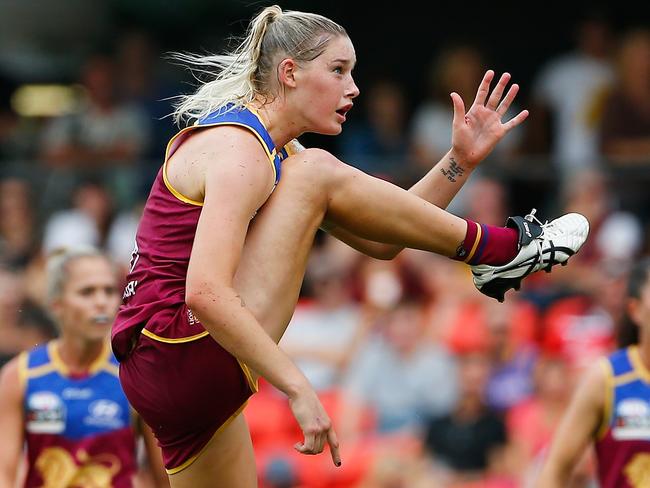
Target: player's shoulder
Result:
[10, 376]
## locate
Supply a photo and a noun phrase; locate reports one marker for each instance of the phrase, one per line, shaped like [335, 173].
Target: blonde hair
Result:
[247, 71]
[58, 264]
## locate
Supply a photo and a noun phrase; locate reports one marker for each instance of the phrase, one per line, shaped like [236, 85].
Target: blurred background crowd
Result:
[429, 382]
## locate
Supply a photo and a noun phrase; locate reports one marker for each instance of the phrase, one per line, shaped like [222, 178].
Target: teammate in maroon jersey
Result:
[611, 409]
[221, 252]
[62, 408]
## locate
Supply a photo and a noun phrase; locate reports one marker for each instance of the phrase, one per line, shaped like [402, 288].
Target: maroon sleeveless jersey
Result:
[154, 297]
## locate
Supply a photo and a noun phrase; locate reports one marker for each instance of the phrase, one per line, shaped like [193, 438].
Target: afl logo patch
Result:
[45, 413]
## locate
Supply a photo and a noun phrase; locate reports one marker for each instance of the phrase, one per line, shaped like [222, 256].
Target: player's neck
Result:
[276, 121]
[78, 355]
[644, 353]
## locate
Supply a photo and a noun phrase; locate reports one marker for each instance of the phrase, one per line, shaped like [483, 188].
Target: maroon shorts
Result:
[185, 392]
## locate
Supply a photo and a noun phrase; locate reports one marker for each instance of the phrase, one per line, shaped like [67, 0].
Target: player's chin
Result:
[333, 129]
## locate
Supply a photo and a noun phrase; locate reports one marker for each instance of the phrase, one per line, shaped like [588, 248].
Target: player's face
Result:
[89, 300]
[326, 88]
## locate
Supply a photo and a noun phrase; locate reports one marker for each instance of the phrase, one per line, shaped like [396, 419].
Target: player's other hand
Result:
[477, 131]
[315, 424]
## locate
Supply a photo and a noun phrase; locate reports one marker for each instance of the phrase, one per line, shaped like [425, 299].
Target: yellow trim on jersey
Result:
[187, 463]
[178, 340]
[23, 371]
[626, 378]
[99, 363]
[175, 192]
[608, 403]
[41, 370]
[112, 369]
[179, 195]
[637, 363]
[249, 376]
[477, 239]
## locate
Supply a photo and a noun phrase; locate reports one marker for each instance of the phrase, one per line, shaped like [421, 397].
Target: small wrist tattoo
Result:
[454, 171]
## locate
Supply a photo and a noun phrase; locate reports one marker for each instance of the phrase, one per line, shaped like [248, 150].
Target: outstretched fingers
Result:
[516, 120]
[507, 101]
[484, 88]
[497, 93]
[459, 108]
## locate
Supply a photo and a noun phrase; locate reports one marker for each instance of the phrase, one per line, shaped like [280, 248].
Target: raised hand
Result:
[475, 133]
[315, 425]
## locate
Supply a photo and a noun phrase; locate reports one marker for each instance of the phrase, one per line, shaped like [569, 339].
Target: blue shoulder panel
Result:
[246, 118]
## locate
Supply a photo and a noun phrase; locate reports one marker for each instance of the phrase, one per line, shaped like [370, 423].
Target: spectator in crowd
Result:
[143, 82]
[93, 220]
[326, 328]
[105, 138]
[62, 400]
[18, 225]
[458, 67]
[400, 375]
[625, 126]
[531, 423]
[377, 143]
[23, 324]
[567, 97]
[465, 443]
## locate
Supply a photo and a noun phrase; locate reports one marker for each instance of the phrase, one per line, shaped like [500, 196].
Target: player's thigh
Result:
[228, 460]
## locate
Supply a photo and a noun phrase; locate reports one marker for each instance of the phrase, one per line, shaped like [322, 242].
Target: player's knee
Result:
[315, 166]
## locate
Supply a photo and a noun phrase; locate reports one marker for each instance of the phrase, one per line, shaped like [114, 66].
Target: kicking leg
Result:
[315, 185]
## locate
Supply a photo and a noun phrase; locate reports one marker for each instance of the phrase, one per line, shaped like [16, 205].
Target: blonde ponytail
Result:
[243, 74]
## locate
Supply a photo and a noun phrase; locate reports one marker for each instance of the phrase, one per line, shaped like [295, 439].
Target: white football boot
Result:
[541, 246]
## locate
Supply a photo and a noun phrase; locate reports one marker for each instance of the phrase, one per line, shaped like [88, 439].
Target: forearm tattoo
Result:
[454, 171]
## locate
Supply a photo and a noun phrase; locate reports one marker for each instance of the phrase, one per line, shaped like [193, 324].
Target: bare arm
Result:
[578, 428]
[475, 134]
[11, 424]
[238, 181]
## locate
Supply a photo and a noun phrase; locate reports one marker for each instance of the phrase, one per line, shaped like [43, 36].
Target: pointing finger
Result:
[333, 442]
